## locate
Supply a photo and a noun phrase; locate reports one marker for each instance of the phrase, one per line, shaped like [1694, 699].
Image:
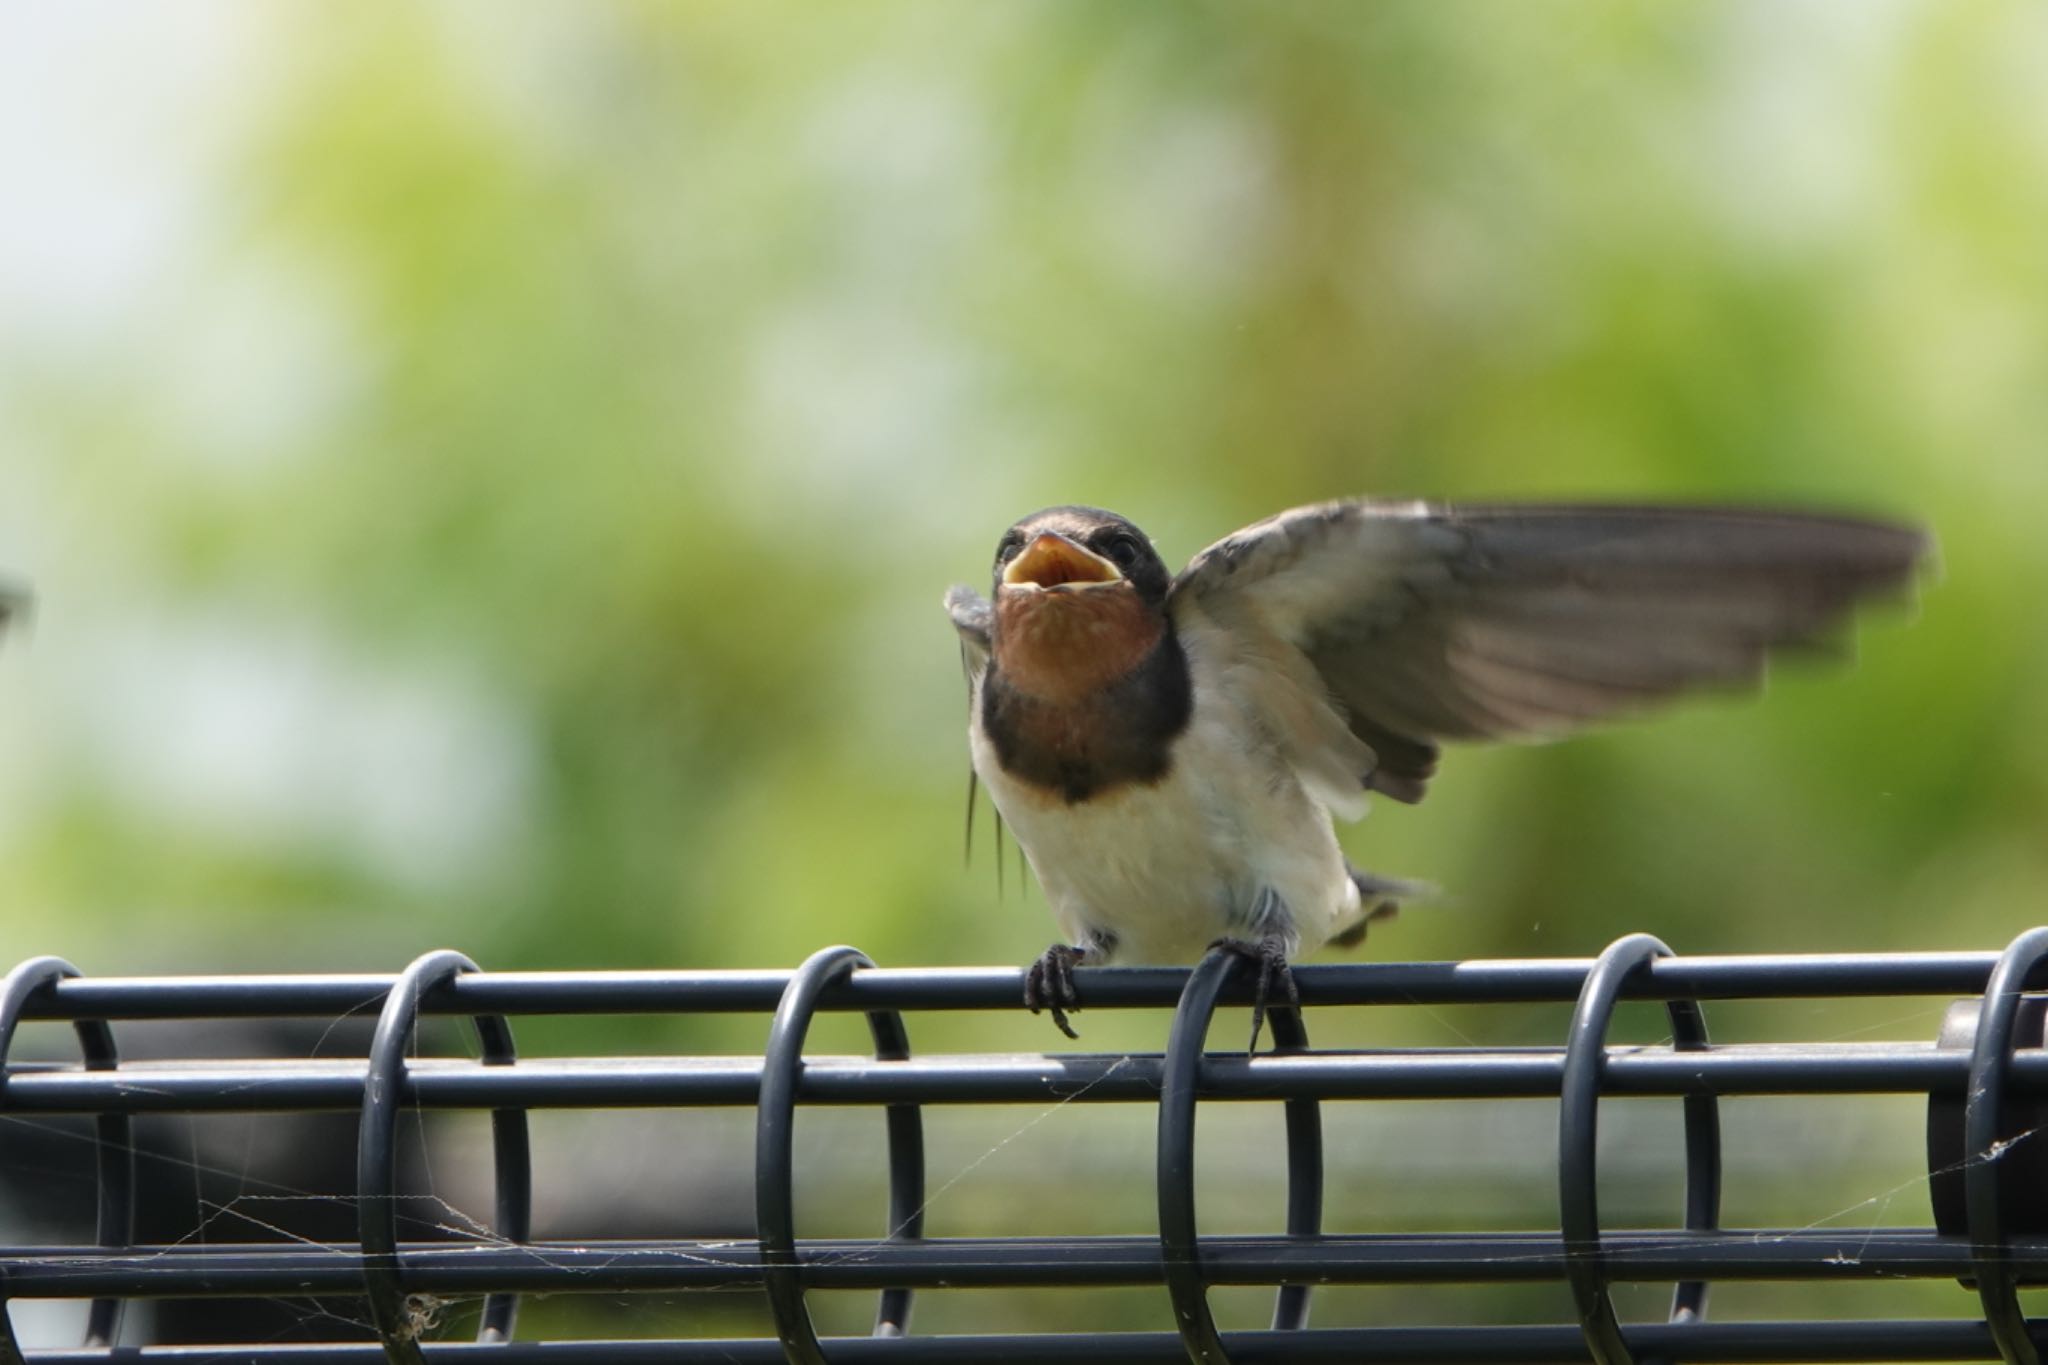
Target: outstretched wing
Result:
[1427, 622]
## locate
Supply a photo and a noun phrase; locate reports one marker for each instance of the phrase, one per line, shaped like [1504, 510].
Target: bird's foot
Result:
[1269, 957]
[1049, 985]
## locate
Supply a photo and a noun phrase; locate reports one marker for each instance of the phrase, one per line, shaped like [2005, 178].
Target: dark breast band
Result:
[1119, 734]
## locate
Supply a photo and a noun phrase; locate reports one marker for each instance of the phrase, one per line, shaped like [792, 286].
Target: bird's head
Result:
[1080, 599]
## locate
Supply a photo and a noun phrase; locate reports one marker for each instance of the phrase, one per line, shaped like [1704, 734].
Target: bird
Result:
[1171, 751]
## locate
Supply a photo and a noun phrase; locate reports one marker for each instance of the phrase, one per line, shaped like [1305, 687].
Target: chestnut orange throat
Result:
[1061, 647]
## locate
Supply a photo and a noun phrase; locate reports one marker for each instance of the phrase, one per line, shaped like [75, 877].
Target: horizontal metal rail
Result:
[1008, 1078]
[1805, 976]
[1986, 1080]
[1904, 1340]
[622, 1265]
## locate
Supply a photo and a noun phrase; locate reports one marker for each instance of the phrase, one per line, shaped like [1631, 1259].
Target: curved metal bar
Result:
[1702, 1156]
[115, 1221]
[511, 1171]
[1178, 1249]
[1983, 1112]
[1578, 1153]
[906, 1169]
[113, 1133]
[1304, 1169]
[774, 1155]
[377, 1158]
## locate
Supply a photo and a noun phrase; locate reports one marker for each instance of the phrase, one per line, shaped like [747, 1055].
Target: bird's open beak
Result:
[1052, 563]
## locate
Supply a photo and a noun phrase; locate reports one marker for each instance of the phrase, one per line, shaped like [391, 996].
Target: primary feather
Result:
[1426, 623]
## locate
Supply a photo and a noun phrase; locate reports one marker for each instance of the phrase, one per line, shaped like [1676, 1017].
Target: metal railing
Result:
[1986, 1079]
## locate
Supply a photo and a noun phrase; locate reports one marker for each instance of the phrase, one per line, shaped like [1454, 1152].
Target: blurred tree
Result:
[502, 496]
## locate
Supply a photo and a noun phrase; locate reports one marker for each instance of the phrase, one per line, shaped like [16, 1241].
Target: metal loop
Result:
[1983, 1112]
[1702, 1155]
[1304, 1168]
[1179, 1246]
[511, 1174]
[775, 1161]
[1578, 1155]
[377, 1158]
[906, 1169]
[1177, 1237]
[115, 1220]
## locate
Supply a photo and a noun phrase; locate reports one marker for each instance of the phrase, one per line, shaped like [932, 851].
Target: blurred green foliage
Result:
[512, 513]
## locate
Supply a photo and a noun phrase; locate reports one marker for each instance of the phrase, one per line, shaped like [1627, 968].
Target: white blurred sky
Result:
[120, 125]
[115, 119]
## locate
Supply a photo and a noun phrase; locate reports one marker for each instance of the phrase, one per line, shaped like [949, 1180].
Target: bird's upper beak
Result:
[1052, 563]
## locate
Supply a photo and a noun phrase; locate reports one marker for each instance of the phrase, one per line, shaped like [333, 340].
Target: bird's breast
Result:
[1065, 647]
[1072, 749]
[1161, 868]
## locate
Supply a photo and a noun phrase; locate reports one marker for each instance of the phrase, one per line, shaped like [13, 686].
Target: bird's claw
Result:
[1269, 957]
[1049, 985]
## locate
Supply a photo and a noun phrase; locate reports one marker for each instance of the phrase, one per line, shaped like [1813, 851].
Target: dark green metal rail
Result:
[1986, 1079]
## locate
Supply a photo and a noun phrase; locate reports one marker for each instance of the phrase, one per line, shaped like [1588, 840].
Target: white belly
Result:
[1167, 868]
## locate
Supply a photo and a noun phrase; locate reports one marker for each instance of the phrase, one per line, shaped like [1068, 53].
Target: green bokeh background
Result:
[488, 473]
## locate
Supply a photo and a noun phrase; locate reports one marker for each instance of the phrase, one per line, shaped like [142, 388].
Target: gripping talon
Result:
[1049, 985]
[1269, 956]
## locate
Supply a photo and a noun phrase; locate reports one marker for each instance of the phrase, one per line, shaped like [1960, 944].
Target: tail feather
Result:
[1379, 898]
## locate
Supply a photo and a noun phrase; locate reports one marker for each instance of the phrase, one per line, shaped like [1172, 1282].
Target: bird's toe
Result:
[1268, 958]
[1049, 985]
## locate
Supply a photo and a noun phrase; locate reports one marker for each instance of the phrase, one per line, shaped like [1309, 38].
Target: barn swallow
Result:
[1170, 750]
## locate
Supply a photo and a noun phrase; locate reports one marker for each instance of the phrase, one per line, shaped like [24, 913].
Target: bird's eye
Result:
[1122, 549]
[1008, 546]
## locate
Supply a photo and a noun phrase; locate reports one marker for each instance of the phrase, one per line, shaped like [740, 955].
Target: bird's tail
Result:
[1379, 898]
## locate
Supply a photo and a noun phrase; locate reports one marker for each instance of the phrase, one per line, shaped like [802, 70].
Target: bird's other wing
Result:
[1429, 622]
[972, 617]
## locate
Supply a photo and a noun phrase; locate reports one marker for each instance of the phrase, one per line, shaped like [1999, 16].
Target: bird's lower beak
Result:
[1052, 562]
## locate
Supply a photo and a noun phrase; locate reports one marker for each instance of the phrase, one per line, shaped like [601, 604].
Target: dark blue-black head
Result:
[1075, 550]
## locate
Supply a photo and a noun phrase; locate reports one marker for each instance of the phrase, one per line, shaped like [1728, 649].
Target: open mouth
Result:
[1052, 563]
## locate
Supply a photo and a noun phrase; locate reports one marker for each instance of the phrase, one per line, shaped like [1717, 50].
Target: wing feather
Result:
[972, 617]
[1427, 623]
